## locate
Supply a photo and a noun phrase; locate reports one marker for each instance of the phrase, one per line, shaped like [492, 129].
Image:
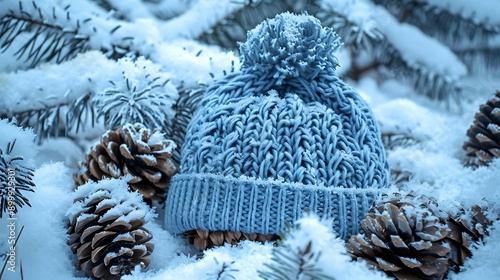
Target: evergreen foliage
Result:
[290, 262]
[293, 263]
[48, 42]
[234, 27]
[185, 107]
[127, 103]
[14, 180]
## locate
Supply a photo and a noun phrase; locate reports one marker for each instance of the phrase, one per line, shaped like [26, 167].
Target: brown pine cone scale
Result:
[105, 242]
[405, 241]
[136, 151]
[465, 229]
[205, 239]
[484, 135]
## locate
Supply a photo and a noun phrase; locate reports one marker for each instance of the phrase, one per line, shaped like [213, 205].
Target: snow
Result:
[192, 63]
[436, 162]
[409, 41]
[132, 9]
[333, 261]
[23, 147]
[406, 39]
[42, 245]
[485, 11]
[485, 263]
[403, 116]
[201, 17]
[57, 83]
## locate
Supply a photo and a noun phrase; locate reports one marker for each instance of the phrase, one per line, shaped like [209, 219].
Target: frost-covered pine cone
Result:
[403, 240]
[464, 229]
[135, 150]
[106, 230]
[484, 135]
[205, 239]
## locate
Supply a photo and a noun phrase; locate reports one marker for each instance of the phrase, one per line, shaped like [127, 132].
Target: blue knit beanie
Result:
[282, 136]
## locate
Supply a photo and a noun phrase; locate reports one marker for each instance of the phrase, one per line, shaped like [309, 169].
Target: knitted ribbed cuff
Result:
[250, 205]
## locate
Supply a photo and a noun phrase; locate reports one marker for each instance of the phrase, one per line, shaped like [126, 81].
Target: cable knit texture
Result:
[281, 136]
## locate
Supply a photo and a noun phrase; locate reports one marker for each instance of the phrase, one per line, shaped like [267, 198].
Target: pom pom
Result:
[290, 46]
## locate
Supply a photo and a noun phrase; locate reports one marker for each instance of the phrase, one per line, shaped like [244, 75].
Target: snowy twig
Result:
[294, 260]
[184, 108]
[233, 27]
[82, 93]
[223, 272]
[451, 21]
[357, 31]
[47, 41]
[14, 179]
[398, 46]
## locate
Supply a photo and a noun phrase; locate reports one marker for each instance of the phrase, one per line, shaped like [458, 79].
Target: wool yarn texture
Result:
[280, 137]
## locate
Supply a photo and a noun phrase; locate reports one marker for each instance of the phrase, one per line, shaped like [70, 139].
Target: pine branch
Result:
[425, 80]
[132, 103]
[43, 33]
[47, 41]
[132, 90]
[233, 27]
[289, 261]
[223, 272]
[375, 31]
[185, 107]
[355, 36]
[58, 119]
[293, 263]
[441, 22]
[125, 10]
[481, 61]
[14, 178]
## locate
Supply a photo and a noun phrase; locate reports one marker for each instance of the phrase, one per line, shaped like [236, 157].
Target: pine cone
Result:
[463, 230]
[107, 234]
[405, 241]
[205, 239]
[484, 134]
[132, 150]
